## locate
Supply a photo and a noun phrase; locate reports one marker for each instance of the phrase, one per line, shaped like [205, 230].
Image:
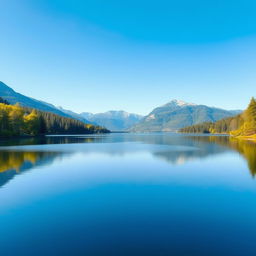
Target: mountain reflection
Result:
[205, 146]
[200, 147]
[175, 149]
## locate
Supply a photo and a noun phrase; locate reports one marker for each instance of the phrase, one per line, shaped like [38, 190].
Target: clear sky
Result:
[99, 55]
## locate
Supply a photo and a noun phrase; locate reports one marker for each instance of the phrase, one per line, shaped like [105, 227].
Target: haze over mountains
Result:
[114, 120]
[170, 117]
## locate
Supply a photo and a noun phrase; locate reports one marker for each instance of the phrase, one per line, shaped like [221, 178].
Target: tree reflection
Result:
[176, 149]
[16, 162]
[246, 148]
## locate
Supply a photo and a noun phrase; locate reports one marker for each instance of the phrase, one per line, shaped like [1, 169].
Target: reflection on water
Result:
[16, 162]
[175, 149]
[127, 194]
[246, 148]
[52, 140]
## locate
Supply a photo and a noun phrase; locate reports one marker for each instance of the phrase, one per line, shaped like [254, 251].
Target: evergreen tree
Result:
[249, 127]
[240, 125]
[16, 120]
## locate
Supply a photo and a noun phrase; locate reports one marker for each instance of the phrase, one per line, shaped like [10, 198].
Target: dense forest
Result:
[16, 121]
[240, 125]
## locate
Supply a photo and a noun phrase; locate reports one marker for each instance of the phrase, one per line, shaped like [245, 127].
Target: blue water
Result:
[128, 194]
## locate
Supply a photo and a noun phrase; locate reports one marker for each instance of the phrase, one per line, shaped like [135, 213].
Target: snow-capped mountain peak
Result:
[179, 103]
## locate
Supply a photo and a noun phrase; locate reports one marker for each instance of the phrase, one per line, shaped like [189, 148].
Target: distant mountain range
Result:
[178, 114]
[113, 120]
[169, 117]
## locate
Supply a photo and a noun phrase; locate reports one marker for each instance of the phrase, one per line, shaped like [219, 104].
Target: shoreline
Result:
[251, 138]
[45, 135]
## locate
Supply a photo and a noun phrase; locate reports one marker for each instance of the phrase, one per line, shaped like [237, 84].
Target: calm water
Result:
[125, 194]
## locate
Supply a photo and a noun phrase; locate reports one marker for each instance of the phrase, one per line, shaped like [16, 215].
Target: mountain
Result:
[75, 115]
[241, 125]
[13, 97]
[113, 120]
[178, 114]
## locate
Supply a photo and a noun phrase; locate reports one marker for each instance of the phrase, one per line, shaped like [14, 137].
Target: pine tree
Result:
[249, 126]
[16, 120]
[240, 125]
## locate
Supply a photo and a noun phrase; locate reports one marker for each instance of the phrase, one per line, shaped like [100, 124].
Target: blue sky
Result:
[97, 55]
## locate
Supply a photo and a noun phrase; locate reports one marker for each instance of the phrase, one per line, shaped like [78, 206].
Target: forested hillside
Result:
[239, 125]
[222, 126]
[248, 124]
[13, 97]
[178, 114]
[16, 120]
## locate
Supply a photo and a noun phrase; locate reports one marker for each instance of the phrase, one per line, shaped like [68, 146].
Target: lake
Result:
[128, 194]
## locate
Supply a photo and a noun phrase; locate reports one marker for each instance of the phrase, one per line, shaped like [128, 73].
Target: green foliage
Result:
[172, 117]
[16, 121]
[222, 126]
[249, 126]
[240, 125]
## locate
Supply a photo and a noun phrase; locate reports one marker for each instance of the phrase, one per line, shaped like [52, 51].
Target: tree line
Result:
[243, 124]
[16, 121]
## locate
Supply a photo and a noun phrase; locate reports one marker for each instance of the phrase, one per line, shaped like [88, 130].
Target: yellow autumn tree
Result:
[15, 115]
[248, 128]
[32, 124]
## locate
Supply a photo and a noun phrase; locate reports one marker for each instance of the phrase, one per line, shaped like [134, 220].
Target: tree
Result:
[239, 125]
[248, 126]
[16, 119]
[250, 118]
[32, 123]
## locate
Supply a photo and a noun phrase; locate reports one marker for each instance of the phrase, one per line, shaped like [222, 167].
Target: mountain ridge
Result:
[13, 97]
[171, 116]
[177, 114]
[115, 120]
